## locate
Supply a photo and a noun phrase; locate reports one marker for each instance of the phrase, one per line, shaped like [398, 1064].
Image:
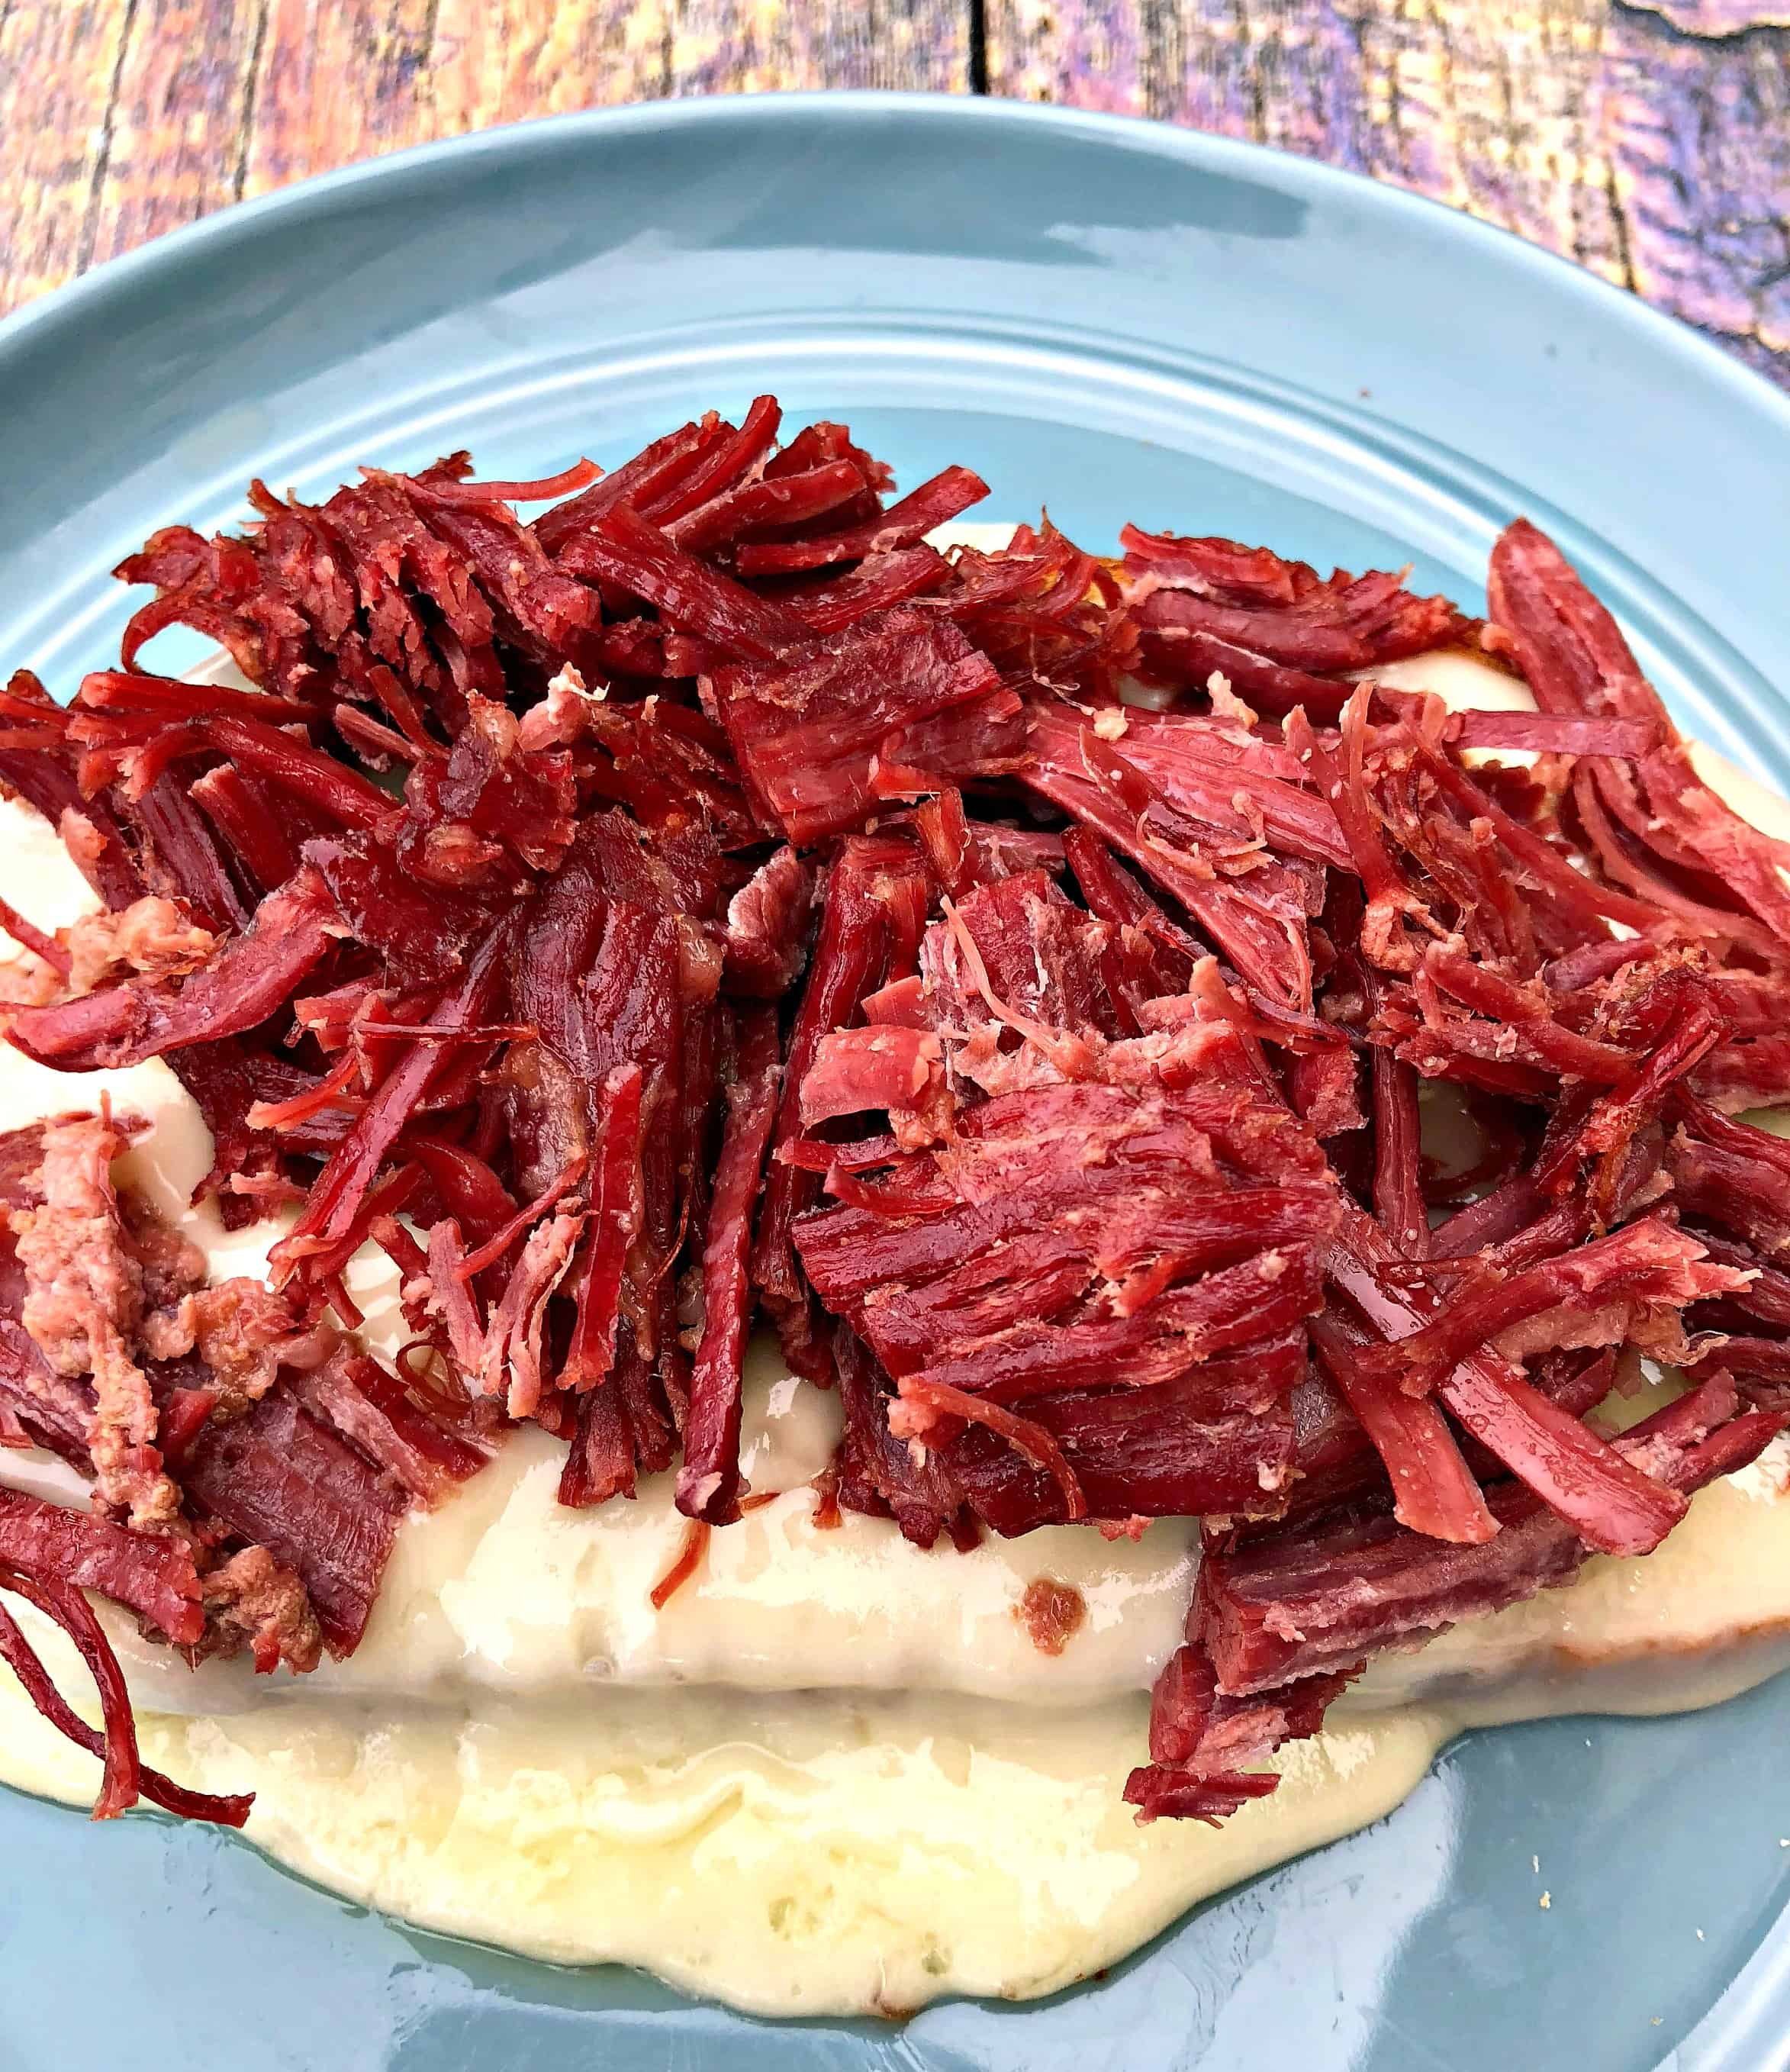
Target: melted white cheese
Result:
[833, 1774]
[504, 1591]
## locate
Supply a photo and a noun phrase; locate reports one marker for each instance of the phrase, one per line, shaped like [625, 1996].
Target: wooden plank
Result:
[337, 81]
[119, 119]
[505, 60]
[349, 80]
[1659, 158]
[57, 65]
[1700, 157]
[753, 45]
[179, 107]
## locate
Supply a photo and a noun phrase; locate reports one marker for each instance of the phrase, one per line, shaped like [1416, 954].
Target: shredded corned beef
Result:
[1051, 1613]
[1028, 979]
[85, 1305]
[151, 936]
[250, 1594]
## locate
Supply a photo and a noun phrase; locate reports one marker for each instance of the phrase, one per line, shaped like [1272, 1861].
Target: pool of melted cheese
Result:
[834, 1774]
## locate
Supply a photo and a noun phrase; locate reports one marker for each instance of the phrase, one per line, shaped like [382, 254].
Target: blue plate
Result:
[1134, 322]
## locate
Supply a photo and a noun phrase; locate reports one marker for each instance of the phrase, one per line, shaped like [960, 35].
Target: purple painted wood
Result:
[1655, 151]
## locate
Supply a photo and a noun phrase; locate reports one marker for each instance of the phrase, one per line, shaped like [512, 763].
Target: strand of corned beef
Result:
[330, 1206]
[127, 1778]
[1612, 1505]
[708, 1483]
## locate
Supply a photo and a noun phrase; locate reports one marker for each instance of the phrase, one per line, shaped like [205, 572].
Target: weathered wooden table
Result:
[1651, 142]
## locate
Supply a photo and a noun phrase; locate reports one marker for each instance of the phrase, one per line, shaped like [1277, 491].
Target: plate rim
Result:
[1199, 150]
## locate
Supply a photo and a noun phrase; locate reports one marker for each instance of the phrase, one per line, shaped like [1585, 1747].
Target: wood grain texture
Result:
[58, 71]
[722, 46]
[1658, 157]
[177, 125]
[119, 119]
[1649, 139]
[347, 80]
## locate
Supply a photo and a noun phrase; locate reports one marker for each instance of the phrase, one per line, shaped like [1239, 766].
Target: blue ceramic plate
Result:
[1135, 323]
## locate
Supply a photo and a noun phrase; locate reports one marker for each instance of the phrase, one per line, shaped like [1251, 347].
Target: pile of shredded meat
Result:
[1033, 980]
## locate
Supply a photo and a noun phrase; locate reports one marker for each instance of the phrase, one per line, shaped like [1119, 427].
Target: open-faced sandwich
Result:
[839, 1256]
